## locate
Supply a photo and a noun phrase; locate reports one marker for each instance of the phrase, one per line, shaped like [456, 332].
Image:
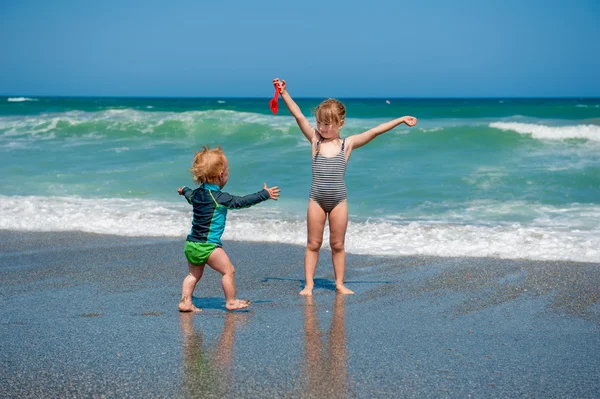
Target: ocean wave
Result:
[129, 121]
[145, 122]
[126, 118]
[545, 240]
[543, 132]
[20, 99]
[34, 125]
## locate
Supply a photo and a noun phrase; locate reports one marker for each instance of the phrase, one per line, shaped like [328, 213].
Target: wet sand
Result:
[88, 315]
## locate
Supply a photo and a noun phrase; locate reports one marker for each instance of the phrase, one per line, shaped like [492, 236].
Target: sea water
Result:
[507, 178]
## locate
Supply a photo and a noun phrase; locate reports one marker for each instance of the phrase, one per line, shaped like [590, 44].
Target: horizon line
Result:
[299, 97]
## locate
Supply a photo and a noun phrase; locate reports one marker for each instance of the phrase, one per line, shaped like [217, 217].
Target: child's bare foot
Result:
[188, 308]
[307, 291]
[186, 305]
[237, 304]
[343, 290]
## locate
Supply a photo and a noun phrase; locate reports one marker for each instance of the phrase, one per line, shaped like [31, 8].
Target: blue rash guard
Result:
[210, 210]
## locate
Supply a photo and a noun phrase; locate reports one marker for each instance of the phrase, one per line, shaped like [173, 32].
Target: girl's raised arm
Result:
[358, 140]
[307, 129]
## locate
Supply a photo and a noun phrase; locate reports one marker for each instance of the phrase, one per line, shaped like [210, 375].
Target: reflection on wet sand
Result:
[326, 369]
[207, 373]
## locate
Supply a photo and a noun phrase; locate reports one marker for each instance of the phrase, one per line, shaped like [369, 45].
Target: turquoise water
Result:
[515, 178]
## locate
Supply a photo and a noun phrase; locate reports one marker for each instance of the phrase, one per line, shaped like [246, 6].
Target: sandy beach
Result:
[88, 315]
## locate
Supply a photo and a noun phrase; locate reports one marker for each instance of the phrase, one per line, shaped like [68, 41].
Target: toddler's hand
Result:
[273, 192]
[281, 84]
[410, 120]
[180, 190]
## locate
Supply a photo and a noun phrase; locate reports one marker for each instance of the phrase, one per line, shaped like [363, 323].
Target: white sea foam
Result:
[552, 236]
[20, 99]
[102, 216]
[543, 132]
[507, 241]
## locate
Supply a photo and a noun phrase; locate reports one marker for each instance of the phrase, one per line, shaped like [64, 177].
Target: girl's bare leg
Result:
[315, 223]
[338, 223]
[220, 262]
[187, 288]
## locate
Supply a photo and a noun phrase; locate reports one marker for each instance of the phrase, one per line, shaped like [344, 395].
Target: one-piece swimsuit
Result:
[328, 187]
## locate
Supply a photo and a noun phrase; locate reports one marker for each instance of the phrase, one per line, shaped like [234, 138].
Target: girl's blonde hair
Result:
[208, 165]
[331, 111]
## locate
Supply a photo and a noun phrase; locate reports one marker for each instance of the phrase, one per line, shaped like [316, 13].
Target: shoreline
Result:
[22, 237]
[105, 323]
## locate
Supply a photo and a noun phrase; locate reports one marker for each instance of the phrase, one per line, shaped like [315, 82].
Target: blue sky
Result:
[375, 48]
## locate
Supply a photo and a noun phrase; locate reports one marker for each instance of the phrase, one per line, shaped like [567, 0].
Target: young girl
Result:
[330, 154]
[203, 245]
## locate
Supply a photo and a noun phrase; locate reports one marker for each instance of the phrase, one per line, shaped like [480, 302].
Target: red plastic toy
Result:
[273, 103]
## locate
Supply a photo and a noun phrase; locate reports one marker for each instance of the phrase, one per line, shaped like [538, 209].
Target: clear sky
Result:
[342, 48]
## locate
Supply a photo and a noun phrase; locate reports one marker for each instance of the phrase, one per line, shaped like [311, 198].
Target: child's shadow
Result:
[319, 282]
[324, 283]
[214, 303]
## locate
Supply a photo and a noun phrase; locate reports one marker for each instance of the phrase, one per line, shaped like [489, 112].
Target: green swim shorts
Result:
[197, 253]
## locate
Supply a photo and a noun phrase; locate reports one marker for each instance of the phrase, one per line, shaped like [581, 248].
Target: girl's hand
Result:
[410, 121]
[180, 190]
[281, 84]
[273, 192]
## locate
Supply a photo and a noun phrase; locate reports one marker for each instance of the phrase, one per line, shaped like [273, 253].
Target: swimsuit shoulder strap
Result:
[317, 149]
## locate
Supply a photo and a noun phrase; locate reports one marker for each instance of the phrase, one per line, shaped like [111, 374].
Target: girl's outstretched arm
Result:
[307, 129]
[358, 140]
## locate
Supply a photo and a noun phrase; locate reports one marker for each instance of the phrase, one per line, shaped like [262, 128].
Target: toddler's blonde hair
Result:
[331, 111]
[208, 165]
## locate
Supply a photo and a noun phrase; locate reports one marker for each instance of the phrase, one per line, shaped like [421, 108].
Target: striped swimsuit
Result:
[328, 188]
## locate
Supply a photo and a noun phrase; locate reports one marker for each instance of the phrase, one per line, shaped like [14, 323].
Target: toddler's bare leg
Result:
[187, 288]
[338, 222]
[315, 223]
[219, 261]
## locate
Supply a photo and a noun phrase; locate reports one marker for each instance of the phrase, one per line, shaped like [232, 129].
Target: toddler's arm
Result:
[307, 129]
[358, 140]
[234, 202]
[186, 192]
